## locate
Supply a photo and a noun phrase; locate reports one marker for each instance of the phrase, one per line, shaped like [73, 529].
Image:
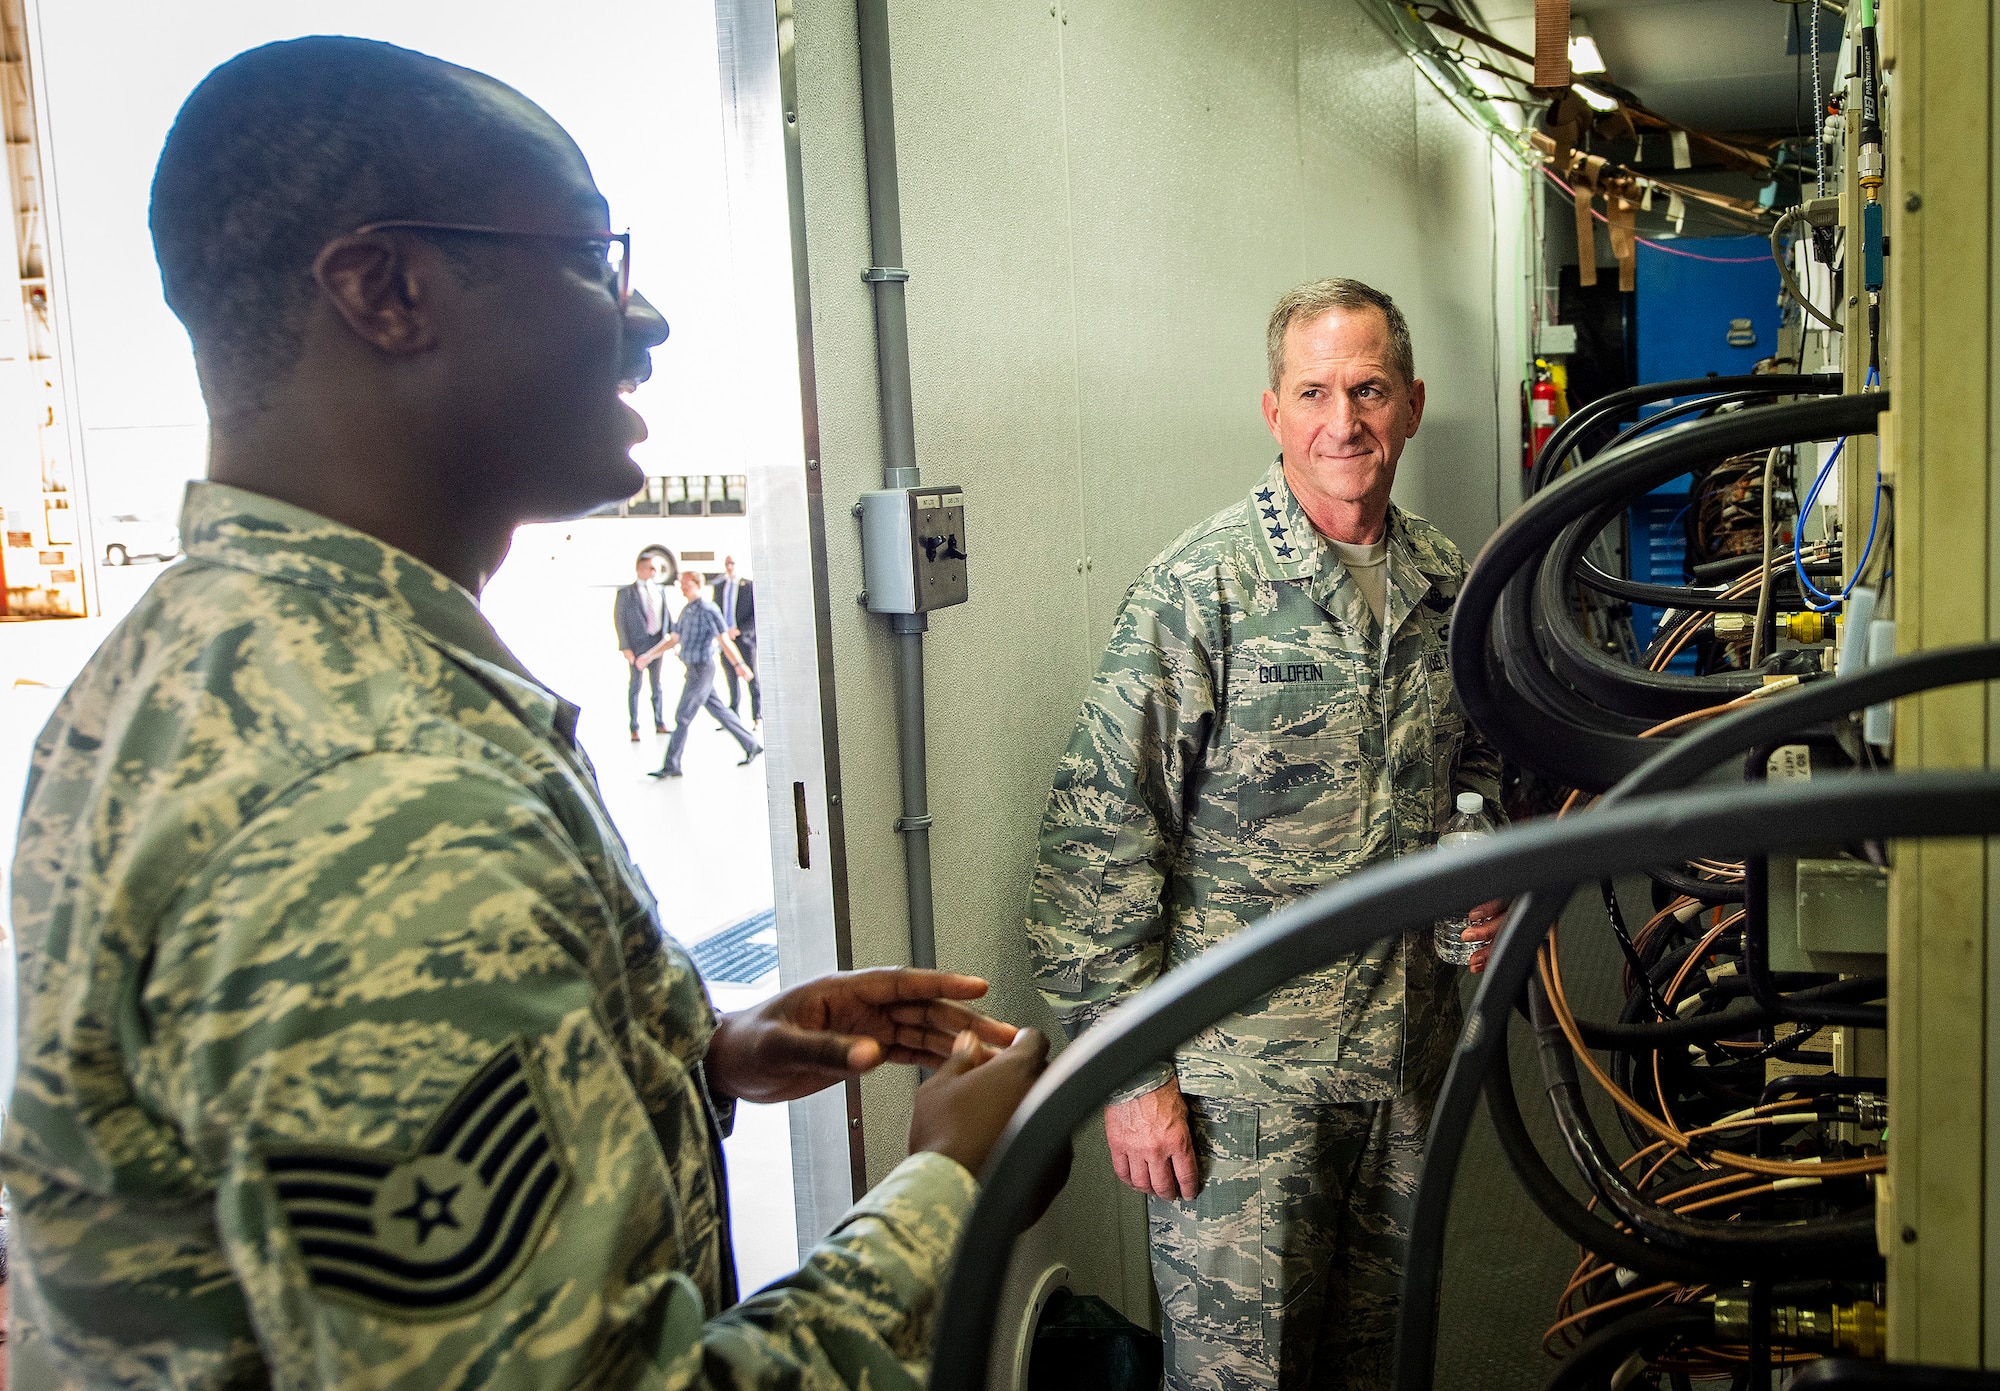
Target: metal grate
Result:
[740, 955]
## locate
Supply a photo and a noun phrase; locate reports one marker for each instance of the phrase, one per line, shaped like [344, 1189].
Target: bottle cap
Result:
[1470, 803]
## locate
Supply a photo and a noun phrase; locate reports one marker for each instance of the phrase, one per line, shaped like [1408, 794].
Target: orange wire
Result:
[1596, 1309]
[1841, 1168]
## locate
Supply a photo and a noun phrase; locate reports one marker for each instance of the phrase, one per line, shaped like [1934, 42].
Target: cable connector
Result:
[1822, 212]
[1868, 166]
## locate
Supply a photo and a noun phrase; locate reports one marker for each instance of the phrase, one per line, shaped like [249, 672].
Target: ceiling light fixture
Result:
[1584, 58]
[1596, 100]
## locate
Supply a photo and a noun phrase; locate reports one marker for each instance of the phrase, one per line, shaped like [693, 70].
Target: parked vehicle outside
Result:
[127, 538]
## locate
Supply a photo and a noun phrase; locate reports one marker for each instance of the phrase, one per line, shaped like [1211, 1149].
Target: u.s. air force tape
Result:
[439, 1232]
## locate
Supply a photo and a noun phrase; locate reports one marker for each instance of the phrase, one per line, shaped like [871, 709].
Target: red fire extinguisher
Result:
[1541, 412]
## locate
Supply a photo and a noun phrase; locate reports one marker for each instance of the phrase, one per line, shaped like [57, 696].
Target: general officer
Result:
[354, 1053]
[1273, 713]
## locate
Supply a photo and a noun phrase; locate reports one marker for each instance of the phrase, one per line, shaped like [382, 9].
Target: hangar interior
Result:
[1026, 251]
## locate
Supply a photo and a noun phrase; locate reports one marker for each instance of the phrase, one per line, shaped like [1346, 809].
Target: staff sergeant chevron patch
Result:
[439, 1232]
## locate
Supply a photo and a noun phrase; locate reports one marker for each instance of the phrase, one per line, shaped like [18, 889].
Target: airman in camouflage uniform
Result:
[1255, 734]
[353, 1050]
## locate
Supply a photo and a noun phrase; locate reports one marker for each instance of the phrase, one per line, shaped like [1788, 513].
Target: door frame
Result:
[772, 295]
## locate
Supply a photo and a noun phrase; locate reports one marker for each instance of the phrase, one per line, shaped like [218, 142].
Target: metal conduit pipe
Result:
[886, 278]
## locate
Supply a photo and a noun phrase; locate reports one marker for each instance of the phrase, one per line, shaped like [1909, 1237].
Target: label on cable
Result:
[1791, 763]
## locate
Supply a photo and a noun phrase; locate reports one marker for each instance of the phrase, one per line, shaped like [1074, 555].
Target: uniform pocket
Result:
[1301, 796]
[1229, 1251]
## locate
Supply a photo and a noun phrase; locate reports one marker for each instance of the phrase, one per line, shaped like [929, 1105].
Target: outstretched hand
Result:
[840, 1026]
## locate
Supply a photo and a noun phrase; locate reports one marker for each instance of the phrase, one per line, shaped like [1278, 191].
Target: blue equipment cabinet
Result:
[1686, 308]
[1716, 315]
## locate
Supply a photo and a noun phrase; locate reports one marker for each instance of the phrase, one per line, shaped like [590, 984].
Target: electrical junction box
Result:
[1556, 340]
[1828, 915]
[913, 549]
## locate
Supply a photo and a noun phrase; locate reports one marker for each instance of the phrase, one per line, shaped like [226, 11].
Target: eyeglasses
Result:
[617, 245]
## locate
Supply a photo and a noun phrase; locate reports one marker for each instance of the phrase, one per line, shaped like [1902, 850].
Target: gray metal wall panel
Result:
[1097, 216]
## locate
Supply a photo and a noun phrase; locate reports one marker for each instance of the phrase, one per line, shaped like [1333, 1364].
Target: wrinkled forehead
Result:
[1347, 343]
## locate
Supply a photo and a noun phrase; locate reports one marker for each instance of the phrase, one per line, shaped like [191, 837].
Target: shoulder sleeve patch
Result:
[439, 1232]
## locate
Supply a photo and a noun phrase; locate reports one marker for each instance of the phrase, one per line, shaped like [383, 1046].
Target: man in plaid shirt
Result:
[697, 633]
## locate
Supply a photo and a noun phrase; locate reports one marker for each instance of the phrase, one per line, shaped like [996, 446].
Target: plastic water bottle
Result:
[1470, 824]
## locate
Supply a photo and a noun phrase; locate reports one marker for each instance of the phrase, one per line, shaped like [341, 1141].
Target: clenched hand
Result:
[1151, 1149]
[1482, 926]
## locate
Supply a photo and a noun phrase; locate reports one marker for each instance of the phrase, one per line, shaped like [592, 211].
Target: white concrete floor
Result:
[702, 840]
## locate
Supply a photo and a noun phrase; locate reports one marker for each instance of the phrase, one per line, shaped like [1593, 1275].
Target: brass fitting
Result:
[1808, 627]
[1860, 1328]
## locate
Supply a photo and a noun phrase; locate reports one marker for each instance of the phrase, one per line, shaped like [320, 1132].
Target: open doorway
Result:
[741, 856]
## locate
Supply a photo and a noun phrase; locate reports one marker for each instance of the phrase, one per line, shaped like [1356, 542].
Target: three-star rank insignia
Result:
[438, 1232]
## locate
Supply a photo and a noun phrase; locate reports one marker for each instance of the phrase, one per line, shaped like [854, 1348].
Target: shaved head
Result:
[285, 147]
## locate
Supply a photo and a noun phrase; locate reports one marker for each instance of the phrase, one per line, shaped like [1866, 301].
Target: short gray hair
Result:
[1316, 297]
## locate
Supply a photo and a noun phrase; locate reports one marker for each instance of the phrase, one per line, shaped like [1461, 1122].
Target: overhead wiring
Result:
[1667, 247]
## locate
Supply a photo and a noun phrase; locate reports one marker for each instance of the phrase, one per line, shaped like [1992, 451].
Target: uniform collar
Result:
[1289, 547]
[241, 530]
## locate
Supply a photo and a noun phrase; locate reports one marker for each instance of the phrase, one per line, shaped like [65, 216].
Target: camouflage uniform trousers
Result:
[1285, 1270]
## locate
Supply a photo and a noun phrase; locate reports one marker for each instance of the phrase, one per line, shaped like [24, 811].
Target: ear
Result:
[1416, 406]
[384, 299]
[1271, 415]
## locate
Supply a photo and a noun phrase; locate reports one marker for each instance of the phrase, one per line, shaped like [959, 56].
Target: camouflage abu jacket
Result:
[353, 1053]
[1253, 735]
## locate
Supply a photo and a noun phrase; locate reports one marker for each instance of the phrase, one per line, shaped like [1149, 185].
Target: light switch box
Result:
[913, 549]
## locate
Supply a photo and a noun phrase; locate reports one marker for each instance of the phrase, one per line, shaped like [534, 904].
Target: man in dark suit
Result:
[640, 611]
[739, 610]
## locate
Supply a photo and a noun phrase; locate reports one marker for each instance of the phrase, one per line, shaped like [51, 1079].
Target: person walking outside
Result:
[697, 633]
[640, 614]
[737, 598]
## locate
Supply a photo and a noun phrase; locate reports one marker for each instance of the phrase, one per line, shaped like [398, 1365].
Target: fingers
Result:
[1029, 1048]
[1164, 1184]
[944, 1017]
[1480, 932]
[887, 984]
[834, 1052]
[1181, 1162]
[1479, 959]
[963, 1058]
